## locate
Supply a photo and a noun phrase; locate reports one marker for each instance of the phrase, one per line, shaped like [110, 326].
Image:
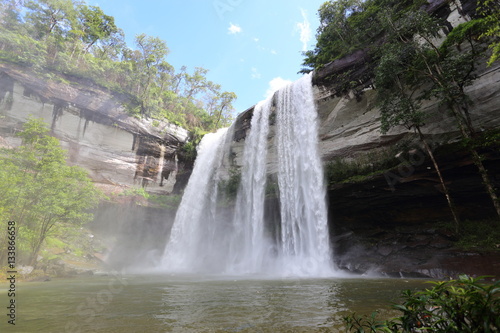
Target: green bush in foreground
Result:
[462, 305]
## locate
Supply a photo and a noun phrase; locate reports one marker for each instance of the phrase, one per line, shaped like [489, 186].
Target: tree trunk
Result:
[446, 191]
[476, 158]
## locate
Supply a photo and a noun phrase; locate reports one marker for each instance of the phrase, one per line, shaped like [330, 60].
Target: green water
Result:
[195, 304]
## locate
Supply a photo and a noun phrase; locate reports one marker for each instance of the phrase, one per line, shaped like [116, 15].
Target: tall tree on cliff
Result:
[397, 98]
[152, 53]
[96, 25]
[435, 69]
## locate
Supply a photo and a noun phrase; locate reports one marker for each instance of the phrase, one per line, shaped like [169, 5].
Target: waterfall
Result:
[304, 247]
[193, 237]
[249, 246]
[202, 240]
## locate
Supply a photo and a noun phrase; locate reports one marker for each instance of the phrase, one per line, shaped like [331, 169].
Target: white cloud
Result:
[255, 73]
[305, 30]
[274, 52]
[233, 29]
[276, 84]
[256, 40]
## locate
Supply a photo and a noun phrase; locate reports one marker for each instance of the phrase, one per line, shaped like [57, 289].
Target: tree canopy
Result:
[68, 39]
[350, 25]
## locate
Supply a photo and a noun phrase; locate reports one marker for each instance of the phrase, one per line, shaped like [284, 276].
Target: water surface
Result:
[199, 304]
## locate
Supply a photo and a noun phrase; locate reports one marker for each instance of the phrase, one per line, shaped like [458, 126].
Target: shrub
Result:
[462, 305]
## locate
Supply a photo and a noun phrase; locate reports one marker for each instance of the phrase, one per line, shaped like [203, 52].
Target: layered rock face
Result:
[94, 128]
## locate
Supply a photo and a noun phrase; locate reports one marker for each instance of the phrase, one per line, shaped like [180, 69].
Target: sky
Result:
[250, 47]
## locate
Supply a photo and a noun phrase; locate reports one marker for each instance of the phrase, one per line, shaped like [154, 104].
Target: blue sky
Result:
[247, 45]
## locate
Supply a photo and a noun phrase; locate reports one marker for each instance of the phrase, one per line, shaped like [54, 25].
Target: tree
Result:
[224, 109]
[151, 54]
[335, 32]
[55, 37]
[50, 16]
[10, 16]
[42, 191]
[349, 25]
[440, 71]
[111, 47]
[396, 91]
[95, 24]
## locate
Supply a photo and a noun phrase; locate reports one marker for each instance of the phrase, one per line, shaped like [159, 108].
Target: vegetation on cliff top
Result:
[68, 39]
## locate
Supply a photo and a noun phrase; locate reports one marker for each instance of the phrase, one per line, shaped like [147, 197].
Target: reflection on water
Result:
[188, 304]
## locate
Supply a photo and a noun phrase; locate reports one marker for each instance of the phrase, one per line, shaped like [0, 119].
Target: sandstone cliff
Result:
[93, 126]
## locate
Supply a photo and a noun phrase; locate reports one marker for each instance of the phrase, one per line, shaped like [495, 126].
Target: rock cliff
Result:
[93, 126]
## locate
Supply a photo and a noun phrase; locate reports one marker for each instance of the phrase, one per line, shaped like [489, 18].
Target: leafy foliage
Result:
[350, 25]
[462, 305]
[67, 39]
[490, 9]
[40, 191]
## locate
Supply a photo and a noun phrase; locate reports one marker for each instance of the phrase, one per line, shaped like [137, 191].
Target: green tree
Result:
[96, 25]
[440, 71]
[350, 25]
[42, 191]
[50, 16]
[152, 52]
[223, 110]
[398, 87]
[112, 47]
[67, 36]
[10, 14]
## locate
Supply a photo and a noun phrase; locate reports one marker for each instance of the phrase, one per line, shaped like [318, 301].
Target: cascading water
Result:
[203, 241]
[249, 247]
[192, 241]
[304, 247]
